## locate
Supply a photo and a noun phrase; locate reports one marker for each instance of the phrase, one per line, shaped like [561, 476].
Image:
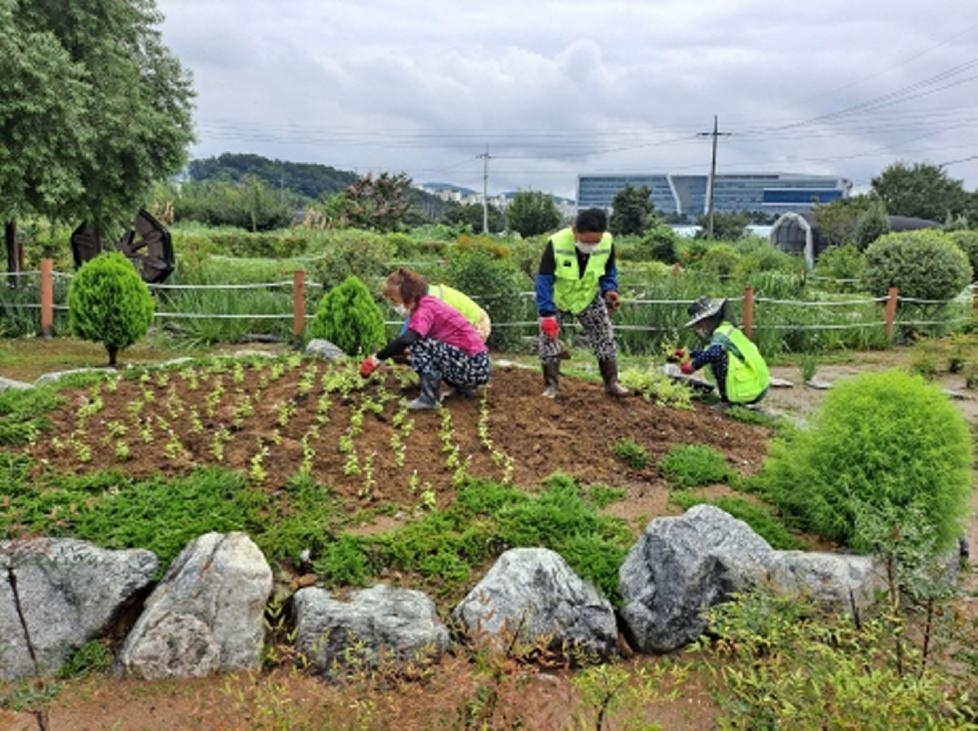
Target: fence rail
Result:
[750, 306]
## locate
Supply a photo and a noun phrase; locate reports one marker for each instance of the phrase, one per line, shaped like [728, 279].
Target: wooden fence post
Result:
[298, 304]
[891, 305]
[749, 312]
[47, 297]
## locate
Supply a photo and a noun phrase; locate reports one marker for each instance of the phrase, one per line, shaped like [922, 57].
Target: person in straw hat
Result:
[738, 368]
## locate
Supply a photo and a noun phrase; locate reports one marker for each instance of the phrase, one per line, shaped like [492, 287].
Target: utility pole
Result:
[713, 173]
[485, 189]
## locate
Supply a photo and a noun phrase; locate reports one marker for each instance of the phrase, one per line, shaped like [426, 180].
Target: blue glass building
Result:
[688, 195]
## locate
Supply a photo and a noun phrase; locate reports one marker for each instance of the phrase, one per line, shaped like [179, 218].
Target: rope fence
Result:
[46, 277]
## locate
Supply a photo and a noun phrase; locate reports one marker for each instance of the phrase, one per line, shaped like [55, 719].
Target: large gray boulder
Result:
[379, 624]
[58, 594]
[532, 595]
[838, 582]
[207, 614]
[682, 566]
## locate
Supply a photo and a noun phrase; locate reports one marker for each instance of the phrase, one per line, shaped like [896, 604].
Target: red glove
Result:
[680, 354]
[612, 300]
[368, 366]
[549, 327]
[687, 367]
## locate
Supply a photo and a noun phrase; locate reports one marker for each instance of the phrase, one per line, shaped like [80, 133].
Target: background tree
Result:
[837, 221]
[42, 100]
[109, 303]
[135, 120]
[632, 211]
[871, 224]
[726, 226]
[378, 204]
[471, 215]
[920, 190]
[532, 212]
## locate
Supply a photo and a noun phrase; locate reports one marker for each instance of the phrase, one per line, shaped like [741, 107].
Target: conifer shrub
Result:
[349, 318]
[884, 449]
[109, 303]
[922, 264]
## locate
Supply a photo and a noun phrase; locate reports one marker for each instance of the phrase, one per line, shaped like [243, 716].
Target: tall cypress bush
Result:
[109, 303]
[349, 318]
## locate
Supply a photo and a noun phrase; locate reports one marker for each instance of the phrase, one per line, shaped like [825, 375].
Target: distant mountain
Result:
[438, 187]
[310, 180]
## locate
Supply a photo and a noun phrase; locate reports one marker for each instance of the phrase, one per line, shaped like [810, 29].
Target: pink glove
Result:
[612, 300]
[686, 367]
[549, 327]
[368, 366]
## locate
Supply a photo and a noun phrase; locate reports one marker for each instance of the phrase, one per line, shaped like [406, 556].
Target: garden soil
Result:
[575, 434]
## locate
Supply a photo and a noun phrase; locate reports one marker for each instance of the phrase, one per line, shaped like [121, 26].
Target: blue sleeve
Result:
[545, 295]
[609, 280]
[712, 354]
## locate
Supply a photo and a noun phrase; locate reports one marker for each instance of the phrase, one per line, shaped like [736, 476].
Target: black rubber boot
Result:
[429, 395]
[609, 374]
[551, 376]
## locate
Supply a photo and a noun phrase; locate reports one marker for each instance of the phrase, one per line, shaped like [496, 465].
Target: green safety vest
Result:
[458, 301]
[572, 290]
[747, 373]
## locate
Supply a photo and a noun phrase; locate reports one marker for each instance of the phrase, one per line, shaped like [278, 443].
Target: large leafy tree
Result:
[921, 190]
[532, 212]
[632, 211]
[838, 221]
[41, 124]
[113, 107]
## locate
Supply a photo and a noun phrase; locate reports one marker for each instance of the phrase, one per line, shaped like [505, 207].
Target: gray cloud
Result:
[556, 89]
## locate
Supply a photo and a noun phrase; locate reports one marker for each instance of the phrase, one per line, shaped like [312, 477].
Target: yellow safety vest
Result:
[747, 373]
[573, 291]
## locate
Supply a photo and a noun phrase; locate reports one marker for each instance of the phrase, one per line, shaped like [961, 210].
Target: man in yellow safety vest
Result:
[578, 277]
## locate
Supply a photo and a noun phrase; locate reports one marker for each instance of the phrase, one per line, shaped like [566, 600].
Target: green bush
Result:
[495, 283]
[694, 465]
[720, 260]
[883, 448]
[109, 303]
[662, 243]
[923, 264]
[632, 453]
[349, 318]
[967, 241]
[840, 262]
[777, 663]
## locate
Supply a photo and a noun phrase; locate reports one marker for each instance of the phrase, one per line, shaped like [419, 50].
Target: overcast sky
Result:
[555, 89]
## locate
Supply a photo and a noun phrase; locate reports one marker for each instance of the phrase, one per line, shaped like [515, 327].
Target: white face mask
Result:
[585, 248]
[401, 310]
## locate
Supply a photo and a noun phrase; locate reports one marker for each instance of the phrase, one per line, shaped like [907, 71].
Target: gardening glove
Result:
[679, 355]
[368, 365]
[549, 327]
[612, 300]
[687, 367]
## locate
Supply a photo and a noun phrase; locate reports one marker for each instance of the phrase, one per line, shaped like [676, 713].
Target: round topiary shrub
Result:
[109, 303]
[885, 461]
[922, 264]
[349, 318]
